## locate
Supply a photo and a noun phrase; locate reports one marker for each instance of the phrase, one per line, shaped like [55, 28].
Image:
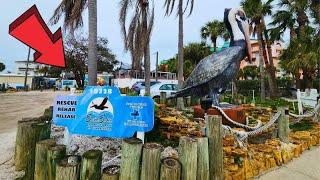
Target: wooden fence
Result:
[199, 158]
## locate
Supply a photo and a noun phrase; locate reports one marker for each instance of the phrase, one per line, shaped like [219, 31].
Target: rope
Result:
[242, 135]
[236, 123]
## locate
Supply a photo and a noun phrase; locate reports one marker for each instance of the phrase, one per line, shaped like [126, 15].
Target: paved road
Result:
[14, 106]
[306, 167]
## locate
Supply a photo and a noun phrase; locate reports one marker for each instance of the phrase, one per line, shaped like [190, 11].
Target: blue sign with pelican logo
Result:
[102, 111]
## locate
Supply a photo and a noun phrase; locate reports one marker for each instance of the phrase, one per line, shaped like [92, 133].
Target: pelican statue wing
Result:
[211, 66]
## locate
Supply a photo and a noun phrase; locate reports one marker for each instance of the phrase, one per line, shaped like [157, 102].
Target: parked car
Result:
[67, 84]
[169, 88]
[138, 86]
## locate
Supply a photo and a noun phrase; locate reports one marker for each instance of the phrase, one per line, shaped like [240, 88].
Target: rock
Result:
[169, 152]
[248, 170]
[227, 175]
[229, 141]
[270, 161]
[302, 135]
[277, 156]
[239, 153]
[238, 175]
[232, 167]
[227, 150]
[297, 150]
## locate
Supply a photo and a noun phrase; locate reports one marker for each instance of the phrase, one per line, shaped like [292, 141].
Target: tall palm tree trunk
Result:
[147, 48]
[92, 46]
[180, 104]
[261, 64]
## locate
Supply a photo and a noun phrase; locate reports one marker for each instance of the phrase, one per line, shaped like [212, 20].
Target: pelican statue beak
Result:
[247, 37]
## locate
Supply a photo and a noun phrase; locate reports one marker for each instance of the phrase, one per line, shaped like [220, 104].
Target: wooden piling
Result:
[214, 134]
[111, 172]
[91, 165]
[163, 97]
[55, 153]
[30, 131]
[188, 101]
[24, 143]
[170, 169]
[150, 168]
[283, 125]
[188, 158]
[203, 159]
[130, 159]
[68, 168]
[41, 165]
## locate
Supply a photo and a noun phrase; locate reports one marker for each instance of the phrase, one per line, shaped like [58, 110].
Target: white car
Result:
[169, 88]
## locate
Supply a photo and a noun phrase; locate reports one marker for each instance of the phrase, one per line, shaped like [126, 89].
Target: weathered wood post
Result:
[170, 169]
[163, 97]
[68, 168]
[24, 143]
[130, 159]
[41, 165]
[188, 158]
[111, 172]
[283, 125]
[30, 131]
[91, 165]
[203, 159]
[188, 101]
[55, 153]
[214, 134]
[150, 161]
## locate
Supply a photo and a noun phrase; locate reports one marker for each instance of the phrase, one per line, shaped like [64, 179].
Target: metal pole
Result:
[157, 65]
[26, 72]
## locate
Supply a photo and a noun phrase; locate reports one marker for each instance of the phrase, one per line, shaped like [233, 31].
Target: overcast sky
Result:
[164, 36]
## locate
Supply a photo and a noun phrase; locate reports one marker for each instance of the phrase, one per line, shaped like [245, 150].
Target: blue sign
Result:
[102, 111]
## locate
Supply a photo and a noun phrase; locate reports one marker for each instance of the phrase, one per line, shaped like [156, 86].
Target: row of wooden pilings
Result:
[199, 158]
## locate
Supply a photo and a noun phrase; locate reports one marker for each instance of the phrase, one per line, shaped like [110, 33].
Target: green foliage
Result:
[2, 67]
[246, 87]
[76, 53]
[303, 125]
[250, 72]
[193, 54]
[213, 30]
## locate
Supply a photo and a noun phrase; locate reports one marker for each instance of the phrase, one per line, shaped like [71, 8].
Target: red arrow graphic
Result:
[31, 29]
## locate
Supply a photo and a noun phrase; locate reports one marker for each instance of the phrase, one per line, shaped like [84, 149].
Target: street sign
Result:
[102, 111]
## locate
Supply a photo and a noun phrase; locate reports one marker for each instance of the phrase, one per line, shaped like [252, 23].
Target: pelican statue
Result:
[213, 73]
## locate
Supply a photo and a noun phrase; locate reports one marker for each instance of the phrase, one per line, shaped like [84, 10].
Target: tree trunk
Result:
[180, 104]
[271, 70]
[147, 75]
[92, 46]
[261, 63]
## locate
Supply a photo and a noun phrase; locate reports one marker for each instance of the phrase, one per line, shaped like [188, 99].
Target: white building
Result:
[32, 67]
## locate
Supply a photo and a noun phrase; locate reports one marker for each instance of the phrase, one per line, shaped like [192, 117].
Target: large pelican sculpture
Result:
[213, 73]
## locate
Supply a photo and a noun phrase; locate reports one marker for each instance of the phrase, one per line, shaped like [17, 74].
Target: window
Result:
[165, 87]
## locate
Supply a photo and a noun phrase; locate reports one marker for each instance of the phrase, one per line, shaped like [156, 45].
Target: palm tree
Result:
[137, 36]
[169, 6]
[213, 30]
[256, 11]
[72, 11]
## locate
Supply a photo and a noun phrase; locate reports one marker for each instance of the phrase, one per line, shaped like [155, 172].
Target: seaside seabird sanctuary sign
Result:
[102, 111]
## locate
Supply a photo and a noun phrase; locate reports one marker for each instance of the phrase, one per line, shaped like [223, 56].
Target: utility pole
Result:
[26, 72]
[157, 55]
